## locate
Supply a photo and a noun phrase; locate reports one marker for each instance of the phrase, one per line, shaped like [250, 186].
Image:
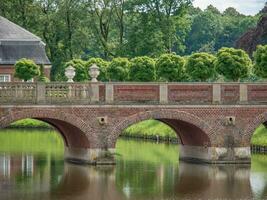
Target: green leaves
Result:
[118, 70]
[142, 69]
[233, 64]
[26, 69]
[170, 67]
[200, 67]
[260, 59]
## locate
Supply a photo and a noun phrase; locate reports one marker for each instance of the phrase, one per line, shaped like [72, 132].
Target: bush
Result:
[170, 67]
[200, 66]
[102, 64]
[42, 77]
[26, 69]
[80, 69]
[118, 70]
[142, 69]
[233, 64]
[260, 59]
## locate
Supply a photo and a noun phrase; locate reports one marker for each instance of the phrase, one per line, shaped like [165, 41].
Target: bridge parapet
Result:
[133, 93]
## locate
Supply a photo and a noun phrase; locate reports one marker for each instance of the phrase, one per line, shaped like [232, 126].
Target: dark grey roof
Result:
[11, 31]
[17, 43]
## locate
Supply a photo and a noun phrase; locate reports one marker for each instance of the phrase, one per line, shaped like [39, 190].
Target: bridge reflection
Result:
[52, 179]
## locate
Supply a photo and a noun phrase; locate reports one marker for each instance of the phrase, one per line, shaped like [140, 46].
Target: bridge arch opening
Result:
[71, 128]
[192, 132]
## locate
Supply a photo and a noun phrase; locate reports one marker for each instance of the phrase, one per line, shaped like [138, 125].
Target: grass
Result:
[29, 123]
[260, 136]
[150, 127]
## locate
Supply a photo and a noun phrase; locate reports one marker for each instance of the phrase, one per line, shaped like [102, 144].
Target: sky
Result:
[247, 7]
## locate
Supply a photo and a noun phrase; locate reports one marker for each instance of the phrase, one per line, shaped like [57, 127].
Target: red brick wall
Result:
[230, 93]
[190, 93]
[138, 93]
[257, 93]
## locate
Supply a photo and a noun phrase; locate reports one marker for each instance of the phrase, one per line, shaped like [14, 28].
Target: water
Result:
[32, 167]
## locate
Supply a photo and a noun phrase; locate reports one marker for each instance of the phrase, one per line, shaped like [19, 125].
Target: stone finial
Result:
[70, 73]
[94, 72]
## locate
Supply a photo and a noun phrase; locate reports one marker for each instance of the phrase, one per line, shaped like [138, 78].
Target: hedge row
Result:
[228, 64]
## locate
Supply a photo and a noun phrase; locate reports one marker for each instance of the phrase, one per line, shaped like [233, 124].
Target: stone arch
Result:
[253, 125]
[175, 119]
[72, 128]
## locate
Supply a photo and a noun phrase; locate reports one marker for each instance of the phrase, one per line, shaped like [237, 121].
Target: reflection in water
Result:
[144, 171]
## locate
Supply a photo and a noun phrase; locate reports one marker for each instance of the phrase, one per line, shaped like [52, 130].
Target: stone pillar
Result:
[215, 155]
[40, 93]
[109, 93]
[243, 91]
[216, 93]
[163, 93]
[95, 92]
[94, 156]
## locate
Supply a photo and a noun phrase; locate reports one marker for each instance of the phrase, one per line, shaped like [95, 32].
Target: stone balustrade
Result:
[133, 93]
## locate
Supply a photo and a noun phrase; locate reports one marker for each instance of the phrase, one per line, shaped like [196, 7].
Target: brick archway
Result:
[178, 120]
[252, 126]
[74, 130]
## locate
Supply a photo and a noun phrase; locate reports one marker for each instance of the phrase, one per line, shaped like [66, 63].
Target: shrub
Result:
[233, 64]
[26, 69]
[42, 77]
[118, 70]
[80, 69]
[142, 69]
[260, 59]
[170, 67]
[102, 64]
[200, 66]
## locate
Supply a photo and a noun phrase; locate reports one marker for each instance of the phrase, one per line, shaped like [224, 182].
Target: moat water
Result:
[32, 167]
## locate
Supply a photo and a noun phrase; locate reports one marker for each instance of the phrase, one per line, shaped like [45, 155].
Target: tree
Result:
[206, 26]
[142, 69]
[170, 67]
[118, 69]
[200, 66]
[26, 69]
[102, 64]
[81, 74]
[260, 59]
[233, 64]
[42, 77]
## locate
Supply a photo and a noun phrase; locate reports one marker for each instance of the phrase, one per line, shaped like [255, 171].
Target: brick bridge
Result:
[214, 121]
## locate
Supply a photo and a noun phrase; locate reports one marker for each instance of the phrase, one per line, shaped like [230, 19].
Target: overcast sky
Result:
[247, 7]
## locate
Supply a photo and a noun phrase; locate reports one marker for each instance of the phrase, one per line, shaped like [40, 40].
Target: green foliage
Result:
[26, 69]
[170, 67]
[142, 69]
[150, 128]
[233, 64]
[110, 29]
[80, 69]
[206, 27]
[118, 69]
[42, 77]
[260, 136]
[200, 66]
[260, 59]
[29, 123]
[102, 64]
